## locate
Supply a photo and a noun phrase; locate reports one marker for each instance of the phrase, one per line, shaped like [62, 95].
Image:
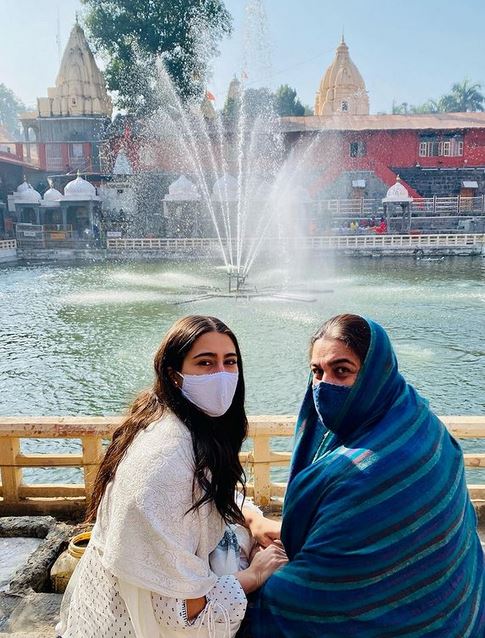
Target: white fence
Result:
[8, 251]
[321, 242]
[8, 244]
[392, 241]
[423, 206]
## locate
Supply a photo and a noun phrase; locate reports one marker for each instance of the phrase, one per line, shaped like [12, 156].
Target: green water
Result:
[79, 339]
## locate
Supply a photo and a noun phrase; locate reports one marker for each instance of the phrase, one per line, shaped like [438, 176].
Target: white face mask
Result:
[211, 393]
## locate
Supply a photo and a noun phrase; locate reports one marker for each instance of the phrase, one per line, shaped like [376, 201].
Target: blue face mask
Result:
[329, 399]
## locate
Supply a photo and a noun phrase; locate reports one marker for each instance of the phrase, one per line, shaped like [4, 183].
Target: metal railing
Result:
[19, 497]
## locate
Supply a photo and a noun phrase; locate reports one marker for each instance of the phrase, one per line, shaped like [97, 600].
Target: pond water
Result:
[79, 339]
[14, 552]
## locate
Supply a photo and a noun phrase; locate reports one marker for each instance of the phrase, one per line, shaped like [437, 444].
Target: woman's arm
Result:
[264, 563]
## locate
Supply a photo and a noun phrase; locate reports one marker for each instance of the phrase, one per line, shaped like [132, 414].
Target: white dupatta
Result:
[146, 536]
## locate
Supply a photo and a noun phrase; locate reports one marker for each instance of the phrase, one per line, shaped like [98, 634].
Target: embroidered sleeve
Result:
[226, 604]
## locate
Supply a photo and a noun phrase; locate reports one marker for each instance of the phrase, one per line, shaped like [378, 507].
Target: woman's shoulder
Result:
[164, 444]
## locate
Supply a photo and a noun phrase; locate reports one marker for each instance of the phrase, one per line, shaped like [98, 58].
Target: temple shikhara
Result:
[342, 88]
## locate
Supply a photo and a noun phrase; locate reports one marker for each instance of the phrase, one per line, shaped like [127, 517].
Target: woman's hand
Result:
[194, 607]
[264, 563]
[262, 529]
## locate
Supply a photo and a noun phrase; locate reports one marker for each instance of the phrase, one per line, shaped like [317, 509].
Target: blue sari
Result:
[377, 522]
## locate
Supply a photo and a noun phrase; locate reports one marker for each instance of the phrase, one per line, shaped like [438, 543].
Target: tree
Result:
[252, 103]
[431, 106]
[131, 34]
[10, 107]
[464, 96]
[286, 102]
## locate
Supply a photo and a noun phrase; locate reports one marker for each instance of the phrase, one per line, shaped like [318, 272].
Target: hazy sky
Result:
[408, 51]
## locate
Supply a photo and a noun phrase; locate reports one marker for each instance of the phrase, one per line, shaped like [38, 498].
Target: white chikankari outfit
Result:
[147, 555]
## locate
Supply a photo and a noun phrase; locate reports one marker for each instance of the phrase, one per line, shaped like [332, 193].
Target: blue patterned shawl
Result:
[379, 529]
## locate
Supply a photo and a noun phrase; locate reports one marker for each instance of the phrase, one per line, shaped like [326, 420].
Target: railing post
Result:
[11, 475]
[261, 472]
[92, 457]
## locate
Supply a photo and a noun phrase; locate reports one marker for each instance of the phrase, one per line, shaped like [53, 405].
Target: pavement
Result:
[36, 615]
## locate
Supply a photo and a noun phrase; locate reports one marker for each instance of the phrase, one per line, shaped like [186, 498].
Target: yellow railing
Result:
[19, 497]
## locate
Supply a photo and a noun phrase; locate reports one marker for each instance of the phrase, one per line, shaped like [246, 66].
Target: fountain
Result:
[232, 177]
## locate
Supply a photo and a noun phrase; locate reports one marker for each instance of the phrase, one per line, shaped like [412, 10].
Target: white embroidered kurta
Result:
[147, 555]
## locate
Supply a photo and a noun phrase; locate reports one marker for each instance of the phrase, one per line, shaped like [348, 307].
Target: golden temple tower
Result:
[80, 88]
[342, 88]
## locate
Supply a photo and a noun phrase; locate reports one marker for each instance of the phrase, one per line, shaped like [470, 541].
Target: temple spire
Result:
[342, 88]
[80, 86]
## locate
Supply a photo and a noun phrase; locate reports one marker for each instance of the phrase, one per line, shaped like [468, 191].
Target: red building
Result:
[352, 156]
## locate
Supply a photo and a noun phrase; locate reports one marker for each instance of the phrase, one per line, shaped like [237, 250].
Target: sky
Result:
[406, 52]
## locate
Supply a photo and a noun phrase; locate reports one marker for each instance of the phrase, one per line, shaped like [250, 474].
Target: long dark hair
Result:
[216, 440]
[352, 330]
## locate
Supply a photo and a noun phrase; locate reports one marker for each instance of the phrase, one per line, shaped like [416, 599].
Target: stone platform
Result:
[30, 609]
[25, 613]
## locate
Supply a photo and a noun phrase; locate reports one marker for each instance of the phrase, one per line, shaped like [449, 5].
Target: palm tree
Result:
[464, 96]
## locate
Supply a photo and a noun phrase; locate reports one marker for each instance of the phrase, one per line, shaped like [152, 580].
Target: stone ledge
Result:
[31, 615]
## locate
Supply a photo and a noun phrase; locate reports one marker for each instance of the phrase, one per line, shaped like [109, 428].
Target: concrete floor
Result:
[44, 617]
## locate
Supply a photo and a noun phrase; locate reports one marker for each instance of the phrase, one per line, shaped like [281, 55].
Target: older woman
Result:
[377, 522]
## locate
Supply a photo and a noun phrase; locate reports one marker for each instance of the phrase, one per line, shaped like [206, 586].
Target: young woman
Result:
[377, 523]
[165, 553]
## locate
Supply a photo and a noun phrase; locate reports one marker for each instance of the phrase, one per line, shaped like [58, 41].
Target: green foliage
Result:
[10, 107]
[464, 96]
[286, 102]
[130, 34]
[231, 108]
[258, 101]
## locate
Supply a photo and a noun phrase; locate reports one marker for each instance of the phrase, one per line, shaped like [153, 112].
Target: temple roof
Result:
[342, 88]
[79, 189]
[80, 86]
[421, 122]
[26, 194]
[397, 193]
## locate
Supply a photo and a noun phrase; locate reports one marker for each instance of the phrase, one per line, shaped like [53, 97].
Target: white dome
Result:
[122, 164]
[182, 190]
[52, 197]
[225, 189]
[80, 189]
[25, 193]
[397, 193]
